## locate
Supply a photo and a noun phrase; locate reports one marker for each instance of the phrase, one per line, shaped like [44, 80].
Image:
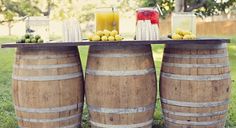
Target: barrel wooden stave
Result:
[114, 93]
[169, 125]
[120, 86]
[100, 63]
[48, 87]
[192, 75]
[208, 91]
[119, 119]
[66, 60]
[45, 95]
[70, 123]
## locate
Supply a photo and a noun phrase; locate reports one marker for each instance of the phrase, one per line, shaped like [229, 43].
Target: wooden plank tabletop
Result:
[126, 42]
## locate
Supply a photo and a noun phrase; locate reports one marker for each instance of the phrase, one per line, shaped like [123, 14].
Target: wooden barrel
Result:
[195, 85]
[120, 86]
[48, 87]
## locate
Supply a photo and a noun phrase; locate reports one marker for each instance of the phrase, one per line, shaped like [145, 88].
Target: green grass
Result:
[7, 115]
[232, 110]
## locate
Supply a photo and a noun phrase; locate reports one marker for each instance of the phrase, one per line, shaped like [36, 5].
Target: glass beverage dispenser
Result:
[107, 18]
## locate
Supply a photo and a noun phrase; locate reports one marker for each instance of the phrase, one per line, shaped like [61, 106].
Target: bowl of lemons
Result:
[105, 35]
[183, 35]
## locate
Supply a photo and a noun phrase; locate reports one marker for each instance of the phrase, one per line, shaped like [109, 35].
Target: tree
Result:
[9, 15]
[72, 8]
[87, 13]
[188, 5]
[21, 8]
[166, 6]
[202, 8]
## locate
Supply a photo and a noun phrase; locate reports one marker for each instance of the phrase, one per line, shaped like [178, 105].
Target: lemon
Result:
[106, 33]
[179, 31]
[176, 37]
[113, 33]
[99, 33]
[96, 38]
[193, 37]
[90, 37]
[186, 33]
[187, 37]
[118, 38]
[111, 38]
[104, 38]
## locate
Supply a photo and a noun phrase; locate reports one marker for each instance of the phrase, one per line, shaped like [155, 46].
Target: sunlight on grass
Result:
[7, 113]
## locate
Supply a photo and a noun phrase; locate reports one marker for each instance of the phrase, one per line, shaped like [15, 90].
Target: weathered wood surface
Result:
[120, 86]
[128, 42]
[195, 85]
[48, 87]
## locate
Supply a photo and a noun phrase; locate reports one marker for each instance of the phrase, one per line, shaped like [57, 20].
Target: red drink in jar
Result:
[147, 24]
[148, 14]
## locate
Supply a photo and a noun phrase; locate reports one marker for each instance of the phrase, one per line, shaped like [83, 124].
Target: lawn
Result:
[7, 116]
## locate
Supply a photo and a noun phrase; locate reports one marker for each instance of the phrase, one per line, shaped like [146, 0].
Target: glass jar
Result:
[38, 25]
[148, 14]
[149, 23]
[107, 18]
[184, 21]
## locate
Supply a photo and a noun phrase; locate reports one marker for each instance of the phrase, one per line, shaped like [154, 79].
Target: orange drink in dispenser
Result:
[107, 18]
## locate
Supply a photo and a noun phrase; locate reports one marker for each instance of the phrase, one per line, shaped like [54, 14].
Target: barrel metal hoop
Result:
[48, 120]
[47, 78]
[194, 104]
[195, 114]
[45, 66]
[183, 122]
[196, 65]
[119, 55]
[139, 125]
[187, 56]
[37, 57]
[49, 110]
[194, 77]
[69, 126]
[121, 110]
[127, 47]
[39, 48]
[120, 73]
[198, 46]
